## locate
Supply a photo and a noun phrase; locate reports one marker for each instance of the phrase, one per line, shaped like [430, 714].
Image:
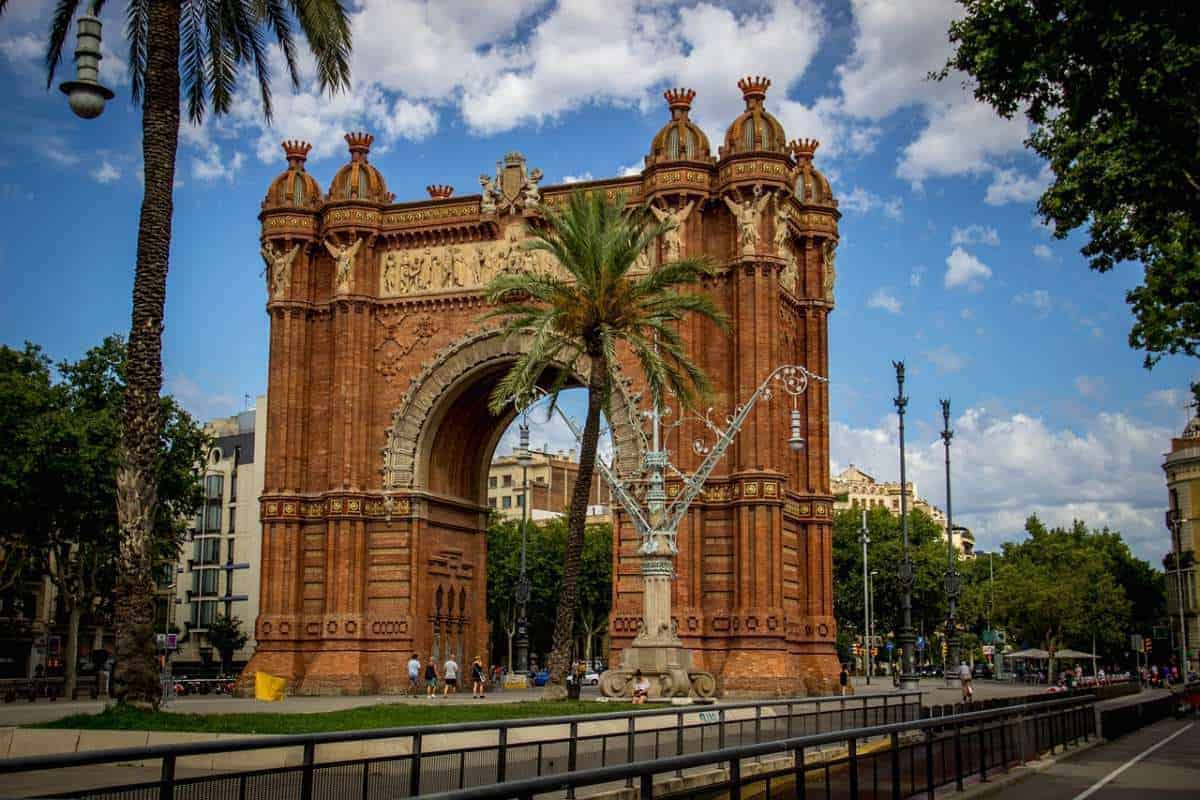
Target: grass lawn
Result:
[366, 717]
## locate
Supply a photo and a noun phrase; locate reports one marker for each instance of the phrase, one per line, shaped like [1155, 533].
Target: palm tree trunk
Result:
[137, 673]
[564, 619]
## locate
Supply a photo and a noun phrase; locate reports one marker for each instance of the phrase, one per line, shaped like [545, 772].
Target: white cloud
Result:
[580, 178]
[895, 46]
[1105, 473]
[212, 166]
[861, 201]
[202, 404]
[884, 300]
[1037, 299]
[1089, 386]
[1043, 252]
[1173, 399]
[962, 138]
[630, 169]
[964, 270]
[975, 234]
[914, 277]
[945, 360]
[106, 172]
[1010, 186]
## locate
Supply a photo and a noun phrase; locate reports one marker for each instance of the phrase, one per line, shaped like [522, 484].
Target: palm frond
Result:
[137, 26]
[243, 19]
[60, 29]
[192, 58]
[326, 25]
[275, 15]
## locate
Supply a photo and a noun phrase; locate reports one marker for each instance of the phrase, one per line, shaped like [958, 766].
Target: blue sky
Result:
[942, 260]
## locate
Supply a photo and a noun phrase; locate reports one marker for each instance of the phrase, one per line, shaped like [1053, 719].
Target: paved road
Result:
[1160, 761]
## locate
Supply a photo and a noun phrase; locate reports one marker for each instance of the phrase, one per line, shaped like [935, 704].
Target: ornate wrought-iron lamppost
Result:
[866, 540]
[1175, 524]
[657, 651]
[86, 95]
[907, 637]
[523, 587]
[953, 580]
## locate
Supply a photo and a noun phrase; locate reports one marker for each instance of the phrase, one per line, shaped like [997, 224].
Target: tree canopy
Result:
[1113, 91]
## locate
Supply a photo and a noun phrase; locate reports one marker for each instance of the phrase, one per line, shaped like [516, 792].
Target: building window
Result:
[506, 501]
[233, 486]
[230, 551]
[491, 502]
[212, 518]
[492, 482]
[208, 550]
[213, 486]
[203, 613]
[520, 501]
[205, 581]
[507, 481]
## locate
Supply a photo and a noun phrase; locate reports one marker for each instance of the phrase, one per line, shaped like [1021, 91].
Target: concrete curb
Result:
[1015, 775]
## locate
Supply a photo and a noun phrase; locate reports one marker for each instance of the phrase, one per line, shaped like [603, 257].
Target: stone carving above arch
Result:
[415, 419]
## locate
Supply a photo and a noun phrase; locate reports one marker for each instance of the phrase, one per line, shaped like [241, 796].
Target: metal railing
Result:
[899, 760]
[412, 761]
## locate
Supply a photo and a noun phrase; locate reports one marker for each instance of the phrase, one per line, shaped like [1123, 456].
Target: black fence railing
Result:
[1119, 720]
[898, 760]
[408, 762]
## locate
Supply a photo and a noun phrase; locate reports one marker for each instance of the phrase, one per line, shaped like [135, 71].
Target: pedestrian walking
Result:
[414, 675]
[844, 679]
[431, 677]
[964, 675]
[450, 676]
[478, 679]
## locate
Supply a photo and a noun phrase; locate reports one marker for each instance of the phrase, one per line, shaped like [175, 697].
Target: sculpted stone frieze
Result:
[464, 266]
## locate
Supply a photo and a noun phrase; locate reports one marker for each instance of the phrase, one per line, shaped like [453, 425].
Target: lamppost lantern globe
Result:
[796, 441]
[86, 95]
[523, 456]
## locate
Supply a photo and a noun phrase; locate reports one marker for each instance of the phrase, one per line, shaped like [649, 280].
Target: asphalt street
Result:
[1160, 761]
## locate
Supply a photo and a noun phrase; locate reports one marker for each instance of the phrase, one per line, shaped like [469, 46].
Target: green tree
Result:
[574, 325]
[196, 47]
[60, 463]
[226, 635]
[1112, 92]
[1059, 589]
[928, 546]
[545, 547]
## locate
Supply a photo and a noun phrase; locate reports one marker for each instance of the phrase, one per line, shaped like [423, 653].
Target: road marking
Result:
[1110, 776]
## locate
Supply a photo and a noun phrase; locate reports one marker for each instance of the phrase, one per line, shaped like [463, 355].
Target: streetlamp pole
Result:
[871, 607]
[907, 638]
[953, 582]
[523, 587]
[1175, 520]
[866, 540]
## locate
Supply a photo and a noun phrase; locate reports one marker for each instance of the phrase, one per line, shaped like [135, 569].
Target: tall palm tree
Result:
[194, 47]
[576, 322]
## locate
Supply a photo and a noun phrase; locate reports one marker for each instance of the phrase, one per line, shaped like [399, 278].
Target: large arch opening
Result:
[441, 449]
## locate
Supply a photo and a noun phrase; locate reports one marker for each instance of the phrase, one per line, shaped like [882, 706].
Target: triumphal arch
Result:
[379, 438]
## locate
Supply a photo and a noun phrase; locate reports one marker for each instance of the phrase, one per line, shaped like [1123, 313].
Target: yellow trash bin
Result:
[268, 688]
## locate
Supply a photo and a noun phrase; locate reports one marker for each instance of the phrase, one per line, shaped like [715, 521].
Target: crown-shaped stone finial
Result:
[296, 152]
[754, 88]
[440, 191]
[679, 100]
[803, 148]
[360, 144]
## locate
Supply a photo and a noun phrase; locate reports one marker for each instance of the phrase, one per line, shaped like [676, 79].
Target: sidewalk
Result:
[26, 713]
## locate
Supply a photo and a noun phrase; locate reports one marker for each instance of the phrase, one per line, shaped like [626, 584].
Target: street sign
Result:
[172, 641]
[891, 646]
[1135, 641]
[160, 639]
[920, 642]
